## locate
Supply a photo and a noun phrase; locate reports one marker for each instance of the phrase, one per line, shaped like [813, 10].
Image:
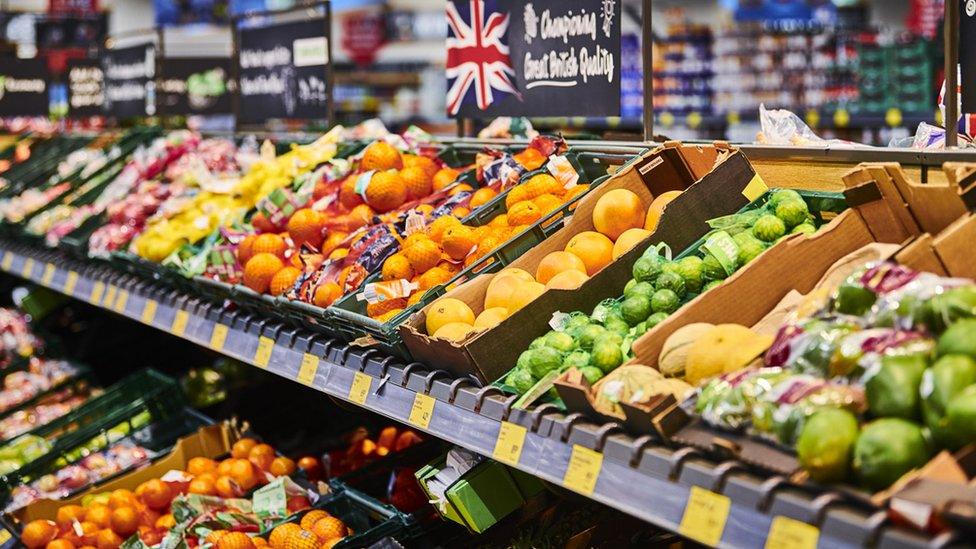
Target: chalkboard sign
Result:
[86, 88]
[967, 54]
[129, 81]
[24, 87]
[194, 85]
[283, 71]
[538, 58]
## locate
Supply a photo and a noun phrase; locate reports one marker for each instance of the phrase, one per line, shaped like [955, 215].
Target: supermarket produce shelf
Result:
[717, 503]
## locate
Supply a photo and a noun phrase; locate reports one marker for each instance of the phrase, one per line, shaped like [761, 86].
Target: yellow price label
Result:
[360, 388]
[262, 356]
[4, 535]
[121, 300]
[70, 283]
[179, 323]
[218, 337]
[756, 188]
[787, 533]
[48, 275]
[8, 260]
[583, 470]
[96, 294]
[149, 311]
[28, 268]
[508, 446]
[422, 410]
[705, 516]
[110, 294]
[308, 369]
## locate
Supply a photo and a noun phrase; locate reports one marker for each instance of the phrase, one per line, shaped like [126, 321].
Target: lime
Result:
[645, 289]
[671, 281]
[617, 325]
[665, 301]
[690, 269]
[635, 309]
[592, 374]
[887, 449]
[576, 320]
[712, 268]
[646, 268]
[538, 342]
[576, 359]
[750, 250]
[825, 444]
[892, 390]
[656, 319]
[768, 228]
[639, 330]
[804, 228]
[523, 360]
[606, 355]
[630, 284]
[783, 195]
[560, 341]
[958, 339]
[590, 334]
[616, 337]
[544, 360]
[520, 380]
[792, 212]
[711, 285]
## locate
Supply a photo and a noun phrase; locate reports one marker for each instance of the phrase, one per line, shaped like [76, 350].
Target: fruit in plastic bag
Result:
[940, 383]
[826, 444]
[887, 449]
[959, 339]
[769, 228]
[792, 212]
[893, 389]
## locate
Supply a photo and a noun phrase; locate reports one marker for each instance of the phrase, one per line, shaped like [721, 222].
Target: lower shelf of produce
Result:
[719, 504]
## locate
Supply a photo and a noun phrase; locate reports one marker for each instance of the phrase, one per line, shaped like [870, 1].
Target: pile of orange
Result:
[317, 530]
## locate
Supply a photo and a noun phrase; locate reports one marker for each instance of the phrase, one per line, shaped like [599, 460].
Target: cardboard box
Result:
[211, 441]
[716, 181]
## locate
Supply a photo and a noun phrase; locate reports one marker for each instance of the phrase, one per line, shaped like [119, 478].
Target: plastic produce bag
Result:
[783, 127]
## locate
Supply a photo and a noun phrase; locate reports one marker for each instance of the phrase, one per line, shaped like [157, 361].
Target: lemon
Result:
[489, 318]
[454, 331]
[447, 311]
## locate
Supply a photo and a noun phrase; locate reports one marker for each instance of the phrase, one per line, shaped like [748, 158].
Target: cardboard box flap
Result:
[954, 247]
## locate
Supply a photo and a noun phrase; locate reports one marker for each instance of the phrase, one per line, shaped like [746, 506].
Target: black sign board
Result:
[24, 87]
[194, 85]
[86, 88]
[129, 81]
[283, 70]
[967, 54]
[70, 32]
[539, 58]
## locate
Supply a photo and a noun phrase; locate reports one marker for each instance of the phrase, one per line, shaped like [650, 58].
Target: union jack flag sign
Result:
[479, 68]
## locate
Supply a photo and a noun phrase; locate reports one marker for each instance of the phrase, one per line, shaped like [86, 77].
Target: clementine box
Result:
[716, 180]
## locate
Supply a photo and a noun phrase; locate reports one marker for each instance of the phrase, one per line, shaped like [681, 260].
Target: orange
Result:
[125, 521]
[547, 203]
[165, 522]
[386, 191]
[200, 465]
[541, 184]
[269, 243]
[460, 212]
[38, 533]
[567, 280]
[282, 466]
[203, 486]
[312, 517]
[618, 210]
[234, 540]
[260, 270]
[259, 541]
[595, 249]
[388, 316]
[89, 533]
[329, 528]
[321, 190]
[444, 177]
[99, 514]
[262, 224]
[417, 181]
[261, 461]
[305, 227]
[261, 449]
[68, 514]
[245, 248]
[516, 195]
[223, 469]
[147, 516]
[413, 239]
[433, 277]
[244, 474]
[214, 536]
[422, 255]
[326, 294]
[302, 539]
[530, 159]
[227, 488]
[486, 245]
[380, 155]
[157, 494]
[284, 279]
[656, 208]
[524, 213]
[121, 498]
[575, 191]
[107, 539]
[338, 253]
[500, 220]
[348, 196]
[458, 241]
[558, 262]
[463, 187]
[243, 447]
[522, 295]
[482, 196]
[280, 535]
[436, 229]
[415, 298]
[374, 310]
[424, 209]
[60, 544]
[627, 240]
[424, 163]
[361, 215]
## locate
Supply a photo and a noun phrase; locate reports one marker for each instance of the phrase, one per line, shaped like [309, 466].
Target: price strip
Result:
[508, 447]
[96, 294]
[308, 369]
[360, 388]
[8, 261]
[787, 533]
[70, 283]
[149, 311]
[422, 410]
[705, 516]
[48, 275]
[179, 323]
[28, 267]
[110, 294]
[121, 300]
[583, 470]
[262, 356]
[218, 337]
